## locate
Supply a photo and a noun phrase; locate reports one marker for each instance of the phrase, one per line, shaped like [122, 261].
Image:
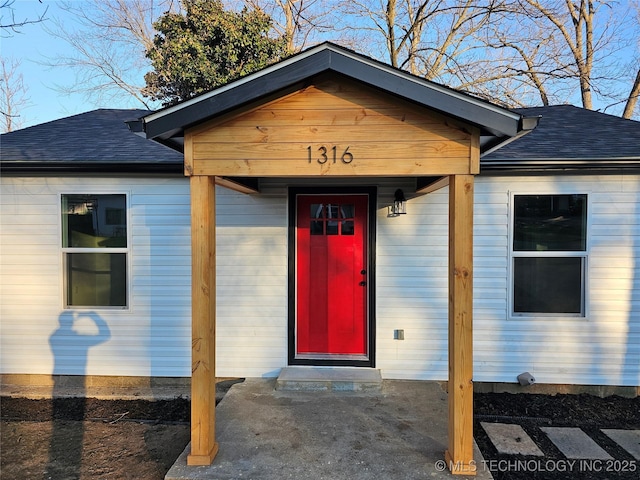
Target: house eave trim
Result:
[104, 168]
[554, 166]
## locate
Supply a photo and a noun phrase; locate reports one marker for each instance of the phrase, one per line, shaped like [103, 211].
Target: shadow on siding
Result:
[70, 349]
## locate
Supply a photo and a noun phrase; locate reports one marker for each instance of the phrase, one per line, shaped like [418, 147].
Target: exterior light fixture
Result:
[399, 206]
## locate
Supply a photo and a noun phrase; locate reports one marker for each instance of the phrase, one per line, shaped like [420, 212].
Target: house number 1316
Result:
[327, 154]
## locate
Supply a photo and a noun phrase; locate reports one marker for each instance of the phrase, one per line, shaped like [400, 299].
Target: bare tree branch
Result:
[13, 95]
[634, 92]
[299, 21]
[12, 24]
[108, 39]
[575, 22]
[632, 101]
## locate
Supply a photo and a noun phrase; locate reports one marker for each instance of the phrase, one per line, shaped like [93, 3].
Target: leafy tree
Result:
[206, 47]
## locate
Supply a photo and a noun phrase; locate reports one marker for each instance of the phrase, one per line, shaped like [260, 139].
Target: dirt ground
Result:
[137, 439]
[92, 439]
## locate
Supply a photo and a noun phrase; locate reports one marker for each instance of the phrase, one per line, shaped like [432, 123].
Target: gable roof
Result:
[496, 124]
[570, 138]
[95, 141]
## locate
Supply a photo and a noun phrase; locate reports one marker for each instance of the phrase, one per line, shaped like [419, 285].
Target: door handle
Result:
[363, 283]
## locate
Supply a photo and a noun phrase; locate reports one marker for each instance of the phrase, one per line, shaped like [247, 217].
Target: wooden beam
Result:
[433, 186]
[277, 166]
[203, 321]
[188, 154]
[235, 185]
[474, 165]
[459, 455]
[298, 152]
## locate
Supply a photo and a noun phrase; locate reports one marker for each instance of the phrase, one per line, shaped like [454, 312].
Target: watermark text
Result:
[542, 465]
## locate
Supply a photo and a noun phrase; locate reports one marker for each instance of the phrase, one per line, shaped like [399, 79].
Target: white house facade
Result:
[151, 335]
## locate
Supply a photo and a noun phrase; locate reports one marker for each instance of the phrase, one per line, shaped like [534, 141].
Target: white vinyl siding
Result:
[153, 337]
[251, 257]
[411, 289]
[601, 348]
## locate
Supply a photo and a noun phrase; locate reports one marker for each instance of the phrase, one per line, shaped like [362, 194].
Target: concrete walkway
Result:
[400, 432]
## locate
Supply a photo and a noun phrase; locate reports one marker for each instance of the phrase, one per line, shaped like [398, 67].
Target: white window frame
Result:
[66, 250]
[584, 313]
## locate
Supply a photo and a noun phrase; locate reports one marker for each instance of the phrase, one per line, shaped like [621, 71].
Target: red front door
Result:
[331, 269]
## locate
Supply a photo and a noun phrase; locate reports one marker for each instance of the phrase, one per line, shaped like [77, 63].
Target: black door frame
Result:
[372, 193]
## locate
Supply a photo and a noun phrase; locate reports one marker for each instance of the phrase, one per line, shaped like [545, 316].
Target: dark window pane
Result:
[115, 216]
[347, 227]
[547, 285]
[97, 279]
[346, 211]
[94, 221]
[316, 210]
[332, 211]
[550, 223]
[317, 227]
[332, 228]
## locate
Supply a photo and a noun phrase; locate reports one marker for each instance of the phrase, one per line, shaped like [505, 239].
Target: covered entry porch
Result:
[325, 114]
[265, 433]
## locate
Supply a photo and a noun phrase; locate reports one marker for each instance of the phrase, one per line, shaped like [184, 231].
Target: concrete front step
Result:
[337, 379]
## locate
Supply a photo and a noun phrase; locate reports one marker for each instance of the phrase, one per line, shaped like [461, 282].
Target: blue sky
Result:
[33, 46]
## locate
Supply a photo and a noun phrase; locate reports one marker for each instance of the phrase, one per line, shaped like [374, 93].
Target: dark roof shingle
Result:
[95, 139]
[569, 136]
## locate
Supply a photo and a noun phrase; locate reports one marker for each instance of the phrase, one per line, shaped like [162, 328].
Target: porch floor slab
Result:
[329, 379]
[398, 432]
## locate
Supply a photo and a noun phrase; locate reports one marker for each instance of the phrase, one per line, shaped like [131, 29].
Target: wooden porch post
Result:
[459, 455]
[203, 321]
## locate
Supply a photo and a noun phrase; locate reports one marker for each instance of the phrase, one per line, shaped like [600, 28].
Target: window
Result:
[94, 246]
[332, 219]
[549, 255]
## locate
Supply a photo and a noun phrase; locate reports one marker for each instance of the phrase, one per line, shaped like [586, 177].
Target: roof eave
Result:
[562, 165]
[527, 125]
[38, 167]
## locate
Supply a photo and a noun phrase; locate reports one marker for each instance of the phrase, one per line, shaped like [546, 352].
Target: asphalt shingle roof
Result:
[99, 138]
[567, 134]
